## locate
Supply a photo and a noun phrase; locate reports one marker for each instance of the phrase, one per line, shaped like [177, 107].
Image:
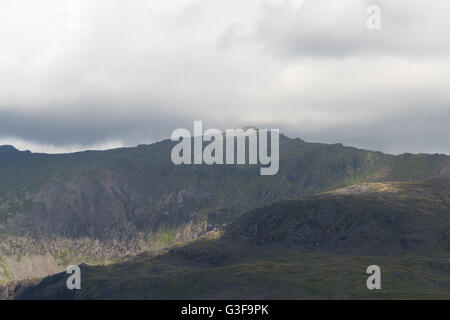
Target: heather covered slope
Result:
[375, 218]
[317, 247]
[97, 206]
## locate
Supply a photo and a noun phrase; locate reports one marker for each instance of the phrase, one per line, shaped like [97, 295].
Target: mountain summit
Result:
[96, 206]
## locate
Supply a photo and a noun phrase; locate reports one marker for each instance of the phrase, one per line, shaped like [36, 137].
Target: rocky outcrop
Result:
[99, 206]
[312, 248]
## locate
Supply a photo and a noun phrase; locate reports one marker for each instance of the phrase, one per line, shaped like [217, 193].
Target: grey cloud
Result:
[134, 72]
[408, 134]
[87, 128]
[324, 28]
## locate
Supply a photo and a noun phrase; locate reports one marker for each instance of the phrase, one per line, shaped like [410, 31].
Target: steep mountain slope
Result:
[97, 206]
[316, 247]
[377, 218]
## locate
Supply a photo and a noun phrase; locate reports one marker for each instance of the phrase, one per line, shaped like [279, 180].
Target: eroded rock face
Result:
[101, 206]
[311, 248]
[378, 218]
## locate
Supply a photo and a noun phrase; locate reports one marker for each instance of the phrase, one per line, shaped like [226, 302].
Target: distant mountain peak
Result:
[8, 148]
[250, 127]
[7, 151]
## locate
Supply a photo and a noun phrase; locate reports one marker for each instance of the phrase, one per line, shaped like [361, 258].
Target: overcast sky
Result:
[90, 74]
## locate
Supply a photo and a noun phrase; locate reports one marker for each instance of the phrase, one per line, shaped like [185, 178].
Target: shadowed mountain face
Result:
[317, 247]
[376, 218]
[100, 205]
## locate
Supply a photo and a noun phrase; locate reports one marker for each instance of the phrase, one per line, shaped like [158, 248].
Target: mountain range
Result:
[142, 227]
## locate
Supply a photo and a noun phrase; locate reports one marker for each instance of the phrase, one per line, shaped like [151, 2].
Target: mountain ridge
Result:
[98, 206]
[311, 248]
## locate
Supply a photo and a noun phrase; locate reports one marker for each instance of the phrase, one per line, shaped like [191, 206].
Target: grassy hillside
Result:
[98, 206]
[314, 248]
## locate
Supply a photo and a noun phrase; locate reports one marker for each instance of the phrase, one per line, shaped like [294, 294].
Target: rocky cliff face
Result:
[317, 247]
[100, 206]
[368, 219]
